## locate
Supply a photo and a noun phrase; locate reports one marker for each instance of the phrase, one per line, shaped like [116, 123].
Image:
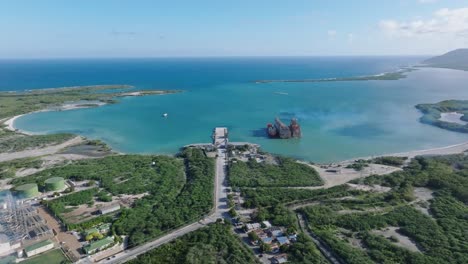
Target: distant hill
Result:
[456, 59]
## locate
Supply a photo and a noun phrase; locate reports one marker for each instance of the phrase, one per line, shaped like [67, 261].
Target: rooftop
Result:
[282, 240]
[54, 179]
[109, 207]
[99, 244]
[38, 245]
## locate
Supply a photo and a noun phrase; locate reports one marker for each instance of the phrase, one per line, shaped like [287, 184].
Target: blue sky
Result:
[144, 28]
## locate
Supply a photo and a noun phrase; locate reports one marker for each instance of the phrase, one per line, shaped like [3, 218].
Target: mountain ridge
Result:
[455, 59]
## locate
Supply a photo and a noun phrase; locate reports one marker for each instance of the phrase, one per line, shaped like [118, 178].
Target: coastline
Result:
[10, 125]
[10, 122]
[445, 150]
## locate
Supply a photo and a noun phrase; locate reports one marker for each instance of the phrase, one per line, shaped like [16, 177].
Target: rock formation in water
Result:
[280, 130]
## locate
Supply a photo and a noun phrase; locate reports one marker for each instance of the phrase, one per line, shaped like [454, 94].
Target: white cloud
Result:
[351, 37]
[331, 33]
[445, 21]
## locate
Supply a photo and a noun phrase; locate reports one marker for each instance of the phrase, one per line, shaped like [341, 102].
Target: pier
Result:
[220, 137]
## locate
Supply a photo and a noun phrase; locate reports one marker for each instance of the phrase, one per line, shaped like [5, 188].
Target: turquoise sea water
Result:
[339, 120]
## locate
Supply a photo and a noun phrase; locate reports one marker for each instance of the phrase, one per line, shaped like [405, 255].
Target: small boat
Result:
[164, 115]
[281, 93]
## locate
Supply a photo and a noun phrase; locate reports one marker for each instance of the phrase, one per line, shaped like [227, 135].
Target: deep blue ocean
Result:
[339, 120]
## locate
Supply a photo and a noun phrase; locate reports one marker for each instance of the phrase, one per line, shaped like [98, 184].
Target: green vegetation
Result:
[58, 206]
[279, 216]
[389, 76]
[54, 256]
[456, 59]
[441, 237]
[265, 197]
[20, 143]
[358, 165]
[288, 172]
[16, 103]
[432, 114]
[170, 201]
[8, 168]
[121, 174]
[304, 251]
[213, 244]
[155, 214]
[390, 161]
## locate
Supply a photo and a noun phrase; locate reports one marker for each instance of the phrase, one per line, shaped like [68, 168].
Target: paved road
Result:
[220, 211]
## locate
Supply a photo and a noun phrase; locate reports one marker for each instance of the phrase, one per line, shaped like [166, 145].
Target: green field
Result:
[287, 173]
[52, 257]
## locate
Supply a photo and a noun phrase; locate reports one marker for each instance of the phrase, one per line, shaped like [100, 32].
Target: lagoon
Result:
[340, 120]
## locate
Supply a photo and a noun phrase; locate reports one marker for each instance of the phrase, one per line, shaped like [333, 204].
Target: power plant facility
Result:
[54, 184]
[280, 130]
[20, 222]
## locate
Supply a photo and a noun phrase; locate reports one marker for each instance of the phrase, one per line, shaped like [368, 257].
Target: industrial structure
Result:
[27, 191]
[109, 209]
[20, 224]
[55, 184]
[280, 130]
[38, 248]
[99, 245]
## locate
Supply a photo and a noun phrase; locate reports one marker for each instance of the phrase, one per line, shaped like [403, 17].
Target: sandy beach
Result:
[10, 123]
[447, 150]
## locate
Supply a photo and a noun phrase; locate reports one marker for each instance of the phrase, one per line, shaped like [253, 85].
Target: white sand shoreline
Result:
[10, 125]
[10, 122]
[445, 150]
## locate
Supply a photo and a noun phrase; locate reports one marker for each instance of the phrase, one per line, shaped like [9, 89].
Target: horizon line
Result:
[210, 56]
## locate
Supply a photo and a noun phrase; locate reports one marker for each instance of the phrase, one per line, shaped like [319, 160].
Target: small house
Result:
[267, 224]
[275, 231]
[109, 209]
[252, 226]
[99, 245]
[267, 240]
[282, 240]
[282, 258]
[38, 248]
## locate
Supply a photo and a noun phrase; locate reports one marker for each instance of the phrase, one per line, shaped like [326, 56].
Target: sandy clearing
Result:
[345, 175]
[369, 188]
[403, 241]
[452, 117]
[40, 151]
[421, 203]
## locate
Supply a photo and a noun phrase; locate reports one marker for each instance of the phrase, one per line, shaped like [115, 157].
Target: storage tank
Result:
[27, 190]
[54, 184]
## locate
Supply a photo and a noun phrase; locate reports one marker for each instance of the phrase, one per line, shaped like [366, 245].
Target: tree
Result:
[265, 247]
[253, 236]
